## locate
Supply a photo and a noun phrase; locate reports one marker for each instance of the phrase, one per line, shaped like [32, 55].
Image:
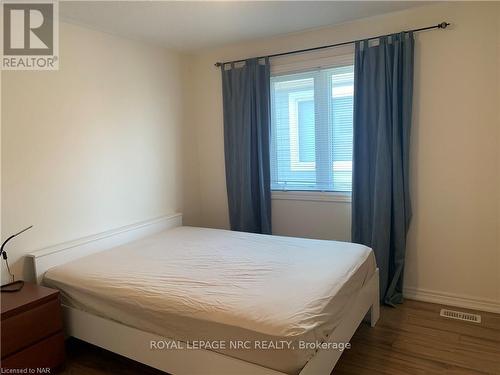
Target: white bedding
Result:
[206, 284]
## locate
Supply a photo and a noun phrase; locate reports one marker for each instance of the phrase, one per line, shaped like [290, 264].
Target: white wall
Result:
[322, 219]
[453, 244]
[97, 145]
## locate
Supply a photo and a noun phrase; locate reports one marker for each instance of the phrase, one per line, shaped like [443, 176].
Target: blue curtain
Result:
[246, 98]
[381, 209]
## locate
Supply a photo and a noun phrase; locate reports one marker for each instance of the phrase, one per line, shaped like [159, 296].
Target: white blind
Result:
[311, 128]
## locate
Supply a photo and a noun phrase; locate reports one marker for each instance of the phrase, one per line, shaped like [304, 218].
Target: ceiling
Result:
[190, 26]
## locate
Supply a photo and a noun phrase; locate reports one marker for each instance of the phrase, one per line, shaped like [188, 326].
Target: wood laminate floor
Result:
[409, 339]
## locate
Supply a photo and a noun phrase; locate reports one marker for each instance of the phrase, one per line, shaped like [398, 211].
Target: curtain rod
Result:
[442, 25]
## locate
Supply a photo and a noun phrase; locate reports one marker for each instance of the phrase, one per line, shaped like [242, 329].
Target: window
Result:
[311, 129]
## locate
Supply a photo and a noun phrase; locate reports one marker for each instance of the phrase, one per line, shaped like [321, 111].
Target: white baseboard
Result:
[451, 299]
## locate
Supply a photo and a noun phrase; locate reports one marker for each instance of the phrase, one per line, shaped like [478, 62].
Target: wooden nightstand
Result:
[31, 329]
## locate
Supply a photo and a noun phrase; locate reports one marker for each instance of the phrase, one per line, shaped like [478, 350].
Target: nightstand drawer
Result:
[48, 353]
[22, 330]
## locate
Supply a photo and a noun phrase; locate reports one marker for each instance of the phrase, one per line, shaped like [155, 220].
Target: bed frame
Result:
[122, 339]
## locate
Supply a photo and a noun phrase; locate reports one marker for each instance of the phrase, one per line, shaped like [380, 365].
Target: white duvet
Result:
[190, 282]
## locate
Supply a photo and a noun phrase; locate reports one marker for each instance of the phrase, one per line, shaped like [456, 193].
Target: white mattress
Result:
[206, 284]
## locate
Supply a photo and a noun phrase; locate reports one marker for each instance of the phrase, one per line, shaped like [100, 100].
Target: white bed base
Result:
[135, 344]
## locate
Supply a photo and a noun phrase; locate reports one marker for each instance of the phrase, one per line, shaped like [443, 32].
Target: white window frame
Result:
[332, 58]
[311, 196]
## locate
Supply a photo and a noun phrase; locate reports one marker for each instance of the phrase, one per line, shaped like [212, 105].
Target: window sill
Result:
[313, 196]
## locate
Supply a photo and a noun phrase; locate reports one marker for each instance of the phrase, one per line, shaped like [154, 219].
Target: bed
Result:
[192, 300]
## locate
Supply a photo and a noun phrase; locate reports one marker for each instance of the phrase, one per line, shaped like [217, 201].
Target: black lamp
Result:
[13, 286]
